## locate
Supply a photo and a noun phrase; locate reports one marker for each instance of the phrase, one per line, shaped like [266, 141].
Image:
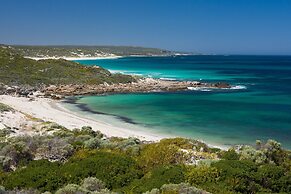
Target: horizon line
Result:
[136, 46]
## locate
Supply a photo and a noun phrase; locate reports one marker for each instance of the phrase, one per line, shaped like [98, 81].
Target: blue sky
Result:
[208, 26]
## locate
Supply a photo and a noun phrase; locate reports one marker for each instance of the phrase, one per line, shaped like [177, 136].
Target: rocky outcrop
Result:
[143, 85]
[221, 85]
[23, 90]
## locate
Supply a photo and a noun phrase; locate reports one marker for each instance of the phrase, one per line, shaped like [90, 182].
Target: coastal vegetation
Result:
[59, 77]
[87, 51]
[17, 70]
[5, 108]
[56, 160]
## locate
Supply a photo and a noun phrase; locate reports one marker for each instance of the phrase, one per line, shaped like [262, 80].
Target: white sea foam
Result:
[205, 89]
[116, 71]
[139, 74]
[167, 79]
[125, 72]
[238, 87]
[199, 89]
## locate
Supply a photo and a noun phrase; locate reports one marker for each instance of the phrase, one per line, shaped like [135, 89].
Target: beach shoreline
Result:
[51, 110]
[74, 58]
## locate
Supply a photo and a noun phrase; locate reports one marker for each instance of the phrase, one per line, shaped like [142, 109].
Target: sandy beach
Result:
[53, 111]
[76, 58]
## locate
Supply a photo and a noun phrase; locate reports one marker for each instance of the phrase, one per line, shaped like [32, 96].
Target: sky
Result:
[206, 26]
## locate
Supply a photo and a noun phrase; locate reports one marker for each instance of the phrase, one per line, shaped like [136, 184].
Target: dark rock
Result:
[222, 85]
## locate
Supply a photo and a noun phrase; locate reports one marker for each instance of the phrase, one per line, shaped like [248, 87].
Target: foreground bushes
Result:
[85, 161]
[156, 178]
[182, 188]
[42, 175]
[168, 152]
[90, 185]
[202, 174]
[114, 169]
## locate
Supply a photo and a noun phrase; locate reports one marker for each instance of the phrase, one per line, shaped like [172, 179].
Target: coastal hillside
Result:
[26, 75]
[87, 51]
[17, 70]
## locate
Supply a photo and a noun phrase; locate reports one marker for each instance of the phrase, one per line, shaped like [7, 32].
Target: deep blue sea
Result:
[258, 106]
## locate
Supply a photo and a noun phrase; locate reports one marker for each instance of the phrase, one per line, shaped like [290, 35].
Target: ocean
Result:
[258, 106]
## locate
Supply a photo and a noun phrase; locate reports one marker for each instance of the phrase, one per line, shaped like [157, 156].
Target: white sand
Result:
[51, 110]
[76, 58]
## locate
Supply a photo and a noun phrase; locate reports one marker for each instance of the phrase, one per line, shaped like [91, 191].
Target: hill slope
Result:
[17, 70]
[86, 51]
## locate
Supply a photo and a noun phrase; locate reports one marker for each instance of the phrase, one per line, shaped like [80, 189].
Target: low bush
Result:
[156, 178]
[116, 170]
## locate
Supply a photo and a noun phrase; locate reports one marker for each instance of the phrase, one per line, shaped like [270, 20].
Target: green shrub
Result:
[185, 143]
[11, 155]
[129, 165]
[162, 153]
[41, 174]
[181, 188]
[87, 130]
[274, 178]
[71, 189]
[250, 153]
[230, 155]
[116, 170]
[93, 184]
[54, 149]
[270, 152]
[90, 185]
[63, 133]
[238, 175]
[156, 178]
[92, 143]
[202, 174]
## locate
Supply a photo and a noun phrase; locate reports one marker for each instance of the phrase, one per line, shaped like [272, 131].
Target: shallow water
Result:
[259, 107]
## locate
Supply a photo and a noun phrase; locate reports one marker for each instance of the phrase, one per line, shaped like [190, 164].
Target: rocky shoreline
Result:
[142, 85]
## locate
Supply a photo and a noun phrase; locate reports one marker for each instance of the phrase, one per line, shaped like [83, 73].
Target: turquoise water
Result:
[260, 108]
